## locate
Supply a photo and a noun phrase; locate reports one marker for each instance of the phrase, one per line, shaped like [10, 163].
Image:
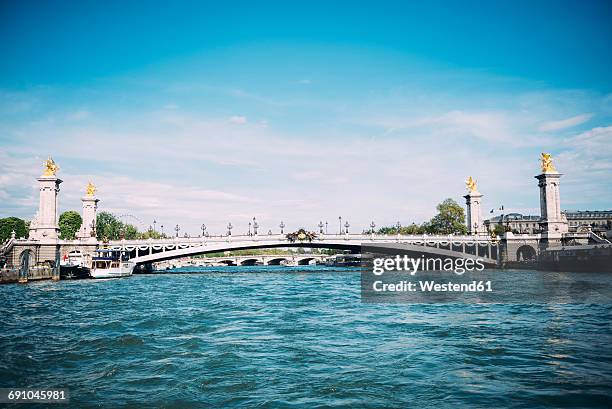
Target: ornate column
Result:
[90, 214]
[45, 224]
[552, 222]
[473, 200]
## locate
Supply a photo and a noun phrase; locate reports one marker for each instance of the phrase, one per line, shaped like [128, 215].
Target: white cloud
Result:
[238, 120]
[564, 123]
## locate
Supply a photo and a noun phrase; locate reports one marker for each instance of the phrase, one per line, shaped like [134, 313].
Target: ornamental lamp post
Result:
[321, 227]
[326, 227]
[372, 226]
[162, 230]
[154, 223]
[249, 233]
[229, 228]
[177, 229]
[347, 225]
[203, 227]
[282, 226]
[340, 223]
[399, 228]
[255, 226]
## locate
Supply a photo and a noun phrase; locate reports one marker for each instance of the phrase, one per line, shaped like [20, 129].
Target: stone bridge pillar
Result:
[90, 213]
[473, 201]
[552, 223]
[44, 226]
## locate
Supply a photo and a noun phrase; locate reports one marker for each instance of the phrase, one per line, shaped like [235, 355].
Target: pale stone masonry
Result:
[474, 218]
[90, 211]
[45, 226]
[552, 220]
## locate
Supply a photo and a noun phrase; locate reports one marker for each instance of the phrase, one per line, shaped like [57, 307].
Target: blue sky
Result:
[191, 112]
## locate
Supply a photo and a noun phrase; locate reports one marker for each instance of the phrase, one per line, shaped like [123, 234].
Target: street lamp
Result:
[229, 228]
[249, 233]
[282, 226]
[177, 229]
[347, 225]
[399, 226]
[326, 227]
[372, 226]
[203, 227]
[340, 223]
[154, 223]
[162, 230]
[321, 227]
[255, 226]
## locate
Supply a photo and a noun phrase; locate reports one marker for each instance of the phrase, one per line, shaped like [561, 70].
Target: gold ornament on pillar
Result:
[90, 189]
[470, 184]
[50, 167]
[547, 163]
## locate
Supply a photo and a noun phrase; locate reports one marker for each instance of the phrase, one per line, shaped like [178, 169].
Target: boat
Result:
[111, 264]
[73, 266]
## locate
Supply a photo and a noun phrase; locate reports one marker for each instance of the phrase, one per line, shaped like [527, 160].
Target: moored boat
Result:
[73, 266]
[111, 264]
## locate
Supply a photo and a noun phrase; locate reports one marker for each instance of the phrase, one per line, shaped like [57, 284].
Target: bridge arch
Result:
[249, 262]
[277, 261]
[526, 253]
[27, 260]
[305, 261]
[430, 247]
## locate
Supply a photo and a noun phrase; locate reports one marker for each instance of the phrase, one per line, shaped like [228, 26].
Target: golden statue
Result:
[91, 189]
[547, 163]
[470, 184]
[50, 167]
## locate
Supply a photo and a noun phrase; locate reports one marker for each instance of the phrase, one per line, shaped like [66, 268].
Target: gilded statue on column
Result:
[470, 184]
[547, 163]
[90, 189]
[51, 167]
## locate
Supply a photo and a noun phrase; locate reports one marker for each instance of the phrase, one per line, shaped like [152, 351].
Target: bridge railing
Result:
[184, 242]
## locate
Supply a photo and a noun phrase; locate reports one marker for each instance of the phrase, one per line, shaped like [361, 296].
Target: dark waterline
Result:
[295, 337]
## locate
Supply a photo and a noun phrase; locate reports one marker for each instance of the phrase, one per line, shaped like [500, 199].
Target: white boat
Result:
[111, 264]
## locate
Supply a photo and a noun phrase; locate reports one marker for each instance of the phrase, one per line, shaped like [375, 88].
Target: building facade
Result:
[598, 221]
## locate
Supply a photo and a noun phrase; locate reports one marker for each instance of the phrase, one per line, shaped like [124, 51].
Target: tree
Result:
[108, 227]
[69, 223]
[449, 220]
[10, 224]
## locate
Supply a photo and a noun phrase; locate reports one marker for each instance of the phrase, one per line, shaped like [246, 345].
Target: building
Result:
[598, 221]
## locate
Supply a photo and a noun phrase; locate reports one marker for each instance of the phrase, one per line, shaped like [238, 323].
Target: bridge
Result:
[38, 256]
[151, 251]
[246, 260]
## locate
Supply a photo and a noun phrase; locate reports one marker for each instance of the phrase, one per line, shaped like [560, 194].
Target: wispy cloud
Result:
[565, 123]
[238, 119]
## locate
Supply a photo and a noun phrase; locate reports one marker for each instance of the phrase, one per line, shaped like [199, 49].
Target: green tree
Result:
[10, 224]
[108, 227]
[499, 230]
[69, 223]
[130, 232]
[449, 220]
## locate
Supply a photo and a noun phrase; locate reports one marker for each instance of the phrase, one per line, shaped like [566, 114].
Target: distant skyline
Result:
[204, 112]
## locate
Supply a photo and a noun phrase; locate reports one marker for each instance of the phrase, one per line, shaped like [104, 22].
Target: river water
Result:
[295, 337]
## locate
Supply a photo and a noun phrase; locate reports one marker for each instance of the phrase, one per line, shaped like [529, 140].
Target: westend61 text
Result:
[432, 286]
[412, 265]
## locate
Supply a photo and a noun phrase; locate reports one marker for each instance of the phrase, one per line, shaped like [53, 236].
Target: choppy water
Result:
[295, 337]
